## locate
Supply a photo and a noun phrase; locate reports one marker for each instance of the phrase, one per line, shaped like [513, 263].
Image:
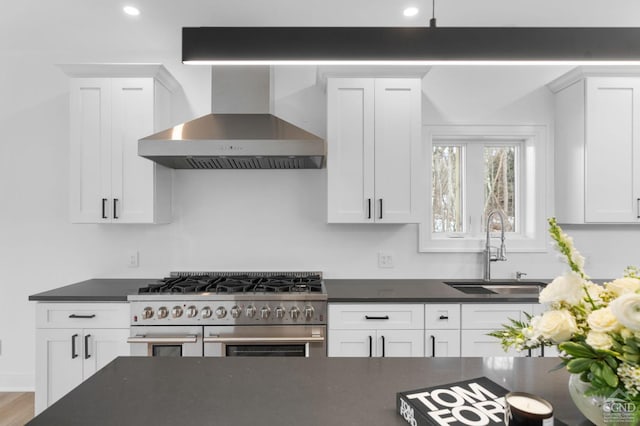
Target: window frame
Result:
[533, 201]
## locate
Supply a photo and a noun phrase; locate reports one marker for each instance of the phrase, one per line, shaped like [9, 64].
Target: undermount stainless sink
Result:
[504, 288]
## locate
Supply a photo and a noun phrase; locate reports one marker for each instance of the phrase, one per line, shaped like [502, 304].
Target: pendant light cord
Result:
[432, 22]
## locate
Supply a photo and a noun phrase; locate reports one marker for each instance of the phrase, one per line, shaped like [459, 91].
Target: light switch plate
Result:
[385, 260]
[133, 259]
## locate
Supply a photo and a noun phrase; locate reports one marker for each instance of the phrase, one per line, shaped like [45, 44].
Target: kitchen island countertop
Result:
[286, 391]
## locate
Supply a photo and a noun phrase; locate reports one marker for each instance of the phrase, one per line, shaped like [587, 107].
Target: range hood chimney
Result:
[240, 133]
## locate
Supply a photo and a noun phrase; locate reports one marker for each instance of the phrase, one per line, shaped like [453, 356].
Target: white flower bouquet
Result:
[595, 327]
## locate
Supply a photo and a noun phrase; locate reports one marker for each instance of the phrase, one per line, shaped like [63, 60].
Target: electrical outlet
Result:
[385, 260]
[133, 259]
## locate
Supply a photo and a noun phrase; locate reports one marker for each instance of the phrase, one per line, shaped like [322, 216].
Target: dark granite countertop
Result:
[286, 391]
[339, 290]
[413, 291]
[95, 290]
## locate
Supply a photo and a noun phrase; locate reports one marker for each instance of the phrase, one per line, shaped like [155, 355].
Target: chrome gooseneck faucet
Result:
[500, 253]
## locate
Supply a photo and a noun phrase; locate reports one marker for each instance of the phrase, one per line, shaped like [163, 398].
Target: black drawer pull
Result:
[444, 317]
[370, 346]
[382, 346]
[74, 355]
[380, 208]
[433, 346]
[86, 346]
[82, 316]
[368, 208]
[104, 208]
[115, 208]
[386, 317]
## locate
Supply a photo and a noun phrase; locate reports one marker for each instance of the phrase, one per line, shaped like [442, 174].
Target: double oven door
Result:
[229, 341]
[266, 340]
[173, 341]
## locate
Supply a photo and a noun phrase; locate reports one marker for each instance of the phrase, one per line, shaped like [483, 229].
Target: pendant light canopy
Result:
[408, 45]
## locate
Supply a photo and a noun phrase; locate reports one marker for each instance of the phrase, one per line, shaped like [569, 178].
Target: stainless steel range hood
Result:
[226, 139]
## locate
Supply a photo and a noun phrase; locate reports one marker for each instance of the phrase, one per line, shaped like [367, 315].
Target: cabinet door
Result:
[351, 343]
[442, 343]
[477, 343]
[398, 171]
[132, 176]
[350, 150]
[101, 346]
[612, 188]
[400, 343]
[90, 161]
[58, 364]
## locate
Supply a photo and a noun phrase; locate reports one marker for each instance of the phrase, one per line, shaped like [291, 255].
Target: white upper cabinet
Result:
[110, 183]
[374, 164]
[597, 148]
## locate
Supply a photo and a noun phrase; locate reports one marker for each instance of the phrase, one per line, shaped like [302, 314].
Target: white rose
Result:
[566, 288]
[626, 309]
[595, 291]
[623, 286]
[599, 340]
[603, 320]
[558, 325]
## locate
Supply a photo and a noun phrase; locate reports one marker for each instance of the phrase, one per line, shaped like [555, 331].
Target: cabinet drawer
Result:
[379, 316]
[491, 316]
[442, 316]
[82, 315]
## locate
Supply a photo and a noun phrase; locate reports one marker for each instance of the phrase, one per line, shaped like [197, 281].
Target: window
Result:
[476, 170]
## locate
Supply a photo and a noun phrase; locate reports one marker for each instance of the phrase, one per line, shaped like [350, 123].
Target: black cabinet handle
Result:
[382, 346]
[73, 347]
[444, 317]
[542, 351]
[104, 208]
[115, 206]
[368, 208]
[386, 317]
[638, 205]
[370, 346]
[380, 208]
[433, 346]
[82, 316]
[86, 346]
[528, 353]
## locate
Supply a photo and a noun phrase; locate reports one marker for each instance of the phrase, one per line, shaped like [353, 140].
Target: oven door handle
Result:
[190, 338]
[218, 339]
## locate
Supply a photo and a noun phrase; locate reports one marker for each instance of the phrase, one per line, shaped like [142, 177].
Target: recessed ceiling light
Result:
[131, 10]
[411, 11]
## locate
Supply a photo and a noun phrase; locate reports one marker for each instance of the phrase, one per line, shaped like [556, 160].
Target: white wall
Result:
[263, 219]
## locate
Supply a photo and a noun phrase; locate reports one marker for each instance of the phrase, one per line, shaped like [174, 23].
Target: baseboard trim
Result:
[16, 382]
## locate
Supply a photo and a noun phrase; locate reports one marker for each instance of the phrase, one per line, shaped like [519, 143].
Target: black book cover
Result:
[470, 402]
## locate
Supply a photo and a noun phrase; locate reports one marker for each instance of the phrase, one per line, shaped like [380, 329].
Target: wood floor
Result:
[16, 408]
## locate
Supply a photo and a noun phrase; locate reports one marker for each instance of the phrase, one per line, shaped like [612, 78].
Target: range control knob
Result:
[308, 312]
[192, 311]
[236, 311]
[163, 312]
[280, 311]
[265, 311]
[147, 313]
[251, 311]
[176, 311]
[206, 312]
[295, 313]
[221, 312]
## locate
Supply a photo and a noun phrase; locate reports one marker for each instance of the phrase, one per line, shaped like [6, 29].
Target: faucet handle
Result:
[519, 275]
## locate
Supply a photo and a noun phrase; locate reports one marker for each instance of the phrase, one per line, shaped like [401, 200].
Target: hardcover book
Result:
[477, 401]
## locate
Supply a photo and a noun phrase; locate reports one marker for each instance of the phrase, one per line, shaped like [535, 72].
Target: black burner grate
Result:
[237, 283]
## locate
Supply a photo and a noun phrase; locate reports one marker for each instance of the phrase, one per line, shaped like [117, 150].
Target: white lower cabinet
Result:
[376, 343]
[442, 329]
[479, 319]
[442, 343]
[73, 341]
[376, 330]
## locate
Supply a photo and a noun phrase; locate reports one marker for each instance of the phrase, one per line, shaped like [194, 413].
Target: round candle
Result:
[529, 405]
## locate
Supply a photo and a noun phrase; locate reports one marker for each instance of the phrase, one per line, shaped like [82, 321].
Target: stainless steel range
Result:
[230, 314]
